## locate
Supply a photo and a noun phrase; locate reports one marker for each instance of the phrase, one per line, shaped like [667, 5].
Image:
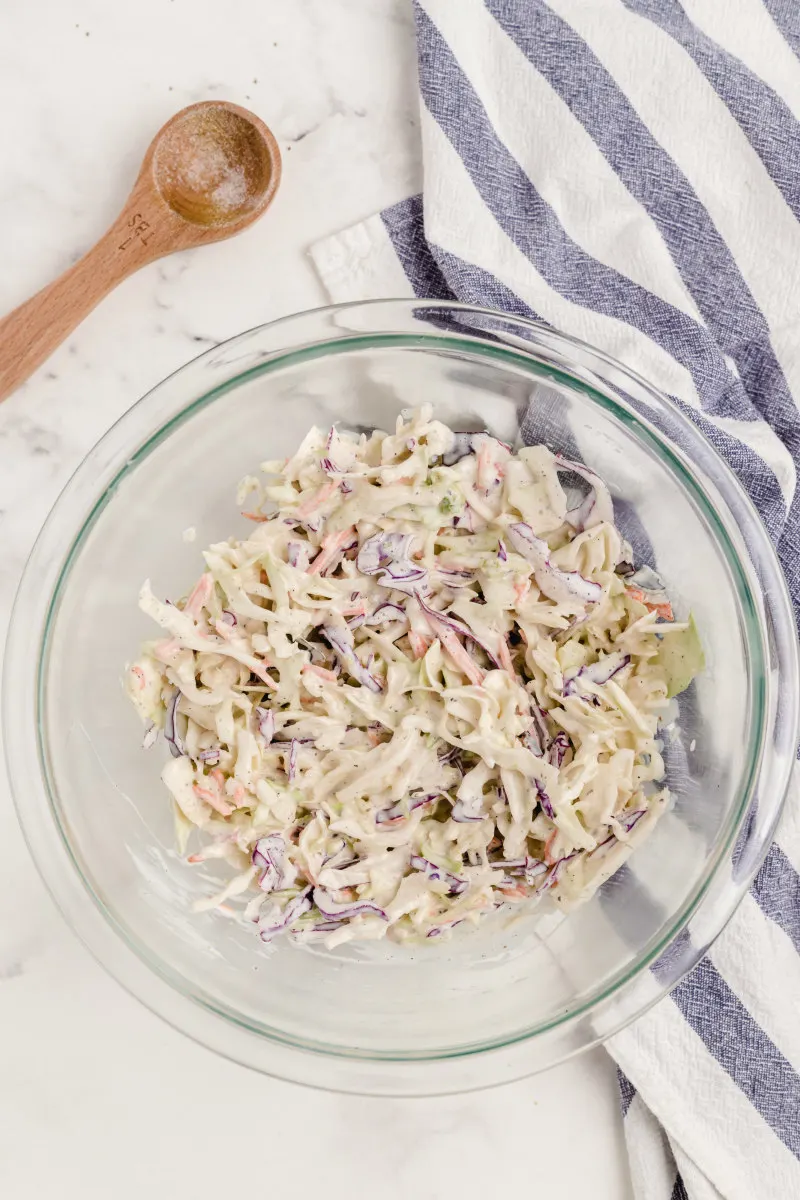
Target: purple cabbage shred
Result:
[401, 810]
[269, 854]
[265, 719]
[334, 911]
[597, 673]
[438, 874]
[291, 760]
[174, 740]
[276, 921]
[545, 801]
[559, 586]
[341, 641]
[558, 749]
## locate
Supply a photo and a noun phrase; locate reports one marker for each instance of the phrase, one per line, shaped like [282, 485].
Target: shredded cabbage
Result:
[422, 688]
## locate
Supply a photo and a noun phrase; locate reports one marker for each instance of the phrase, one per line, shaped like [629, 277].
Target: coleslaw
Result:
[427, 684]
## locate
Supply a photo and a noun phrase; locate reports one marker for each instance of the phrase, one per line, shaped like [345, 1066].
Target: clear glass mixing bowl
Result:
[491, 1005]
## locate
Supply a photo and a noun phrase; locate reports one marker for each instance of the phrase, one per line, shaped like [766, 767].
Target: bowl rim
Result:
[23, 627]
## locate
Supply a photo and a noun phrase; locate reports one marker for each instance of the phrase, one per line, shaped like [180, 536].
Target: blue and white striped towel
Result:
[629, 172]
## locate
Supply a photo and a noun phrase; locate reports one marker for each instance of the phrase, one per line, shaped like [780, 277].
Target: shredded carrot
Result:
[322, 672]
[460, 657]
[357, 610]
[261, 673]
[548, 858]
[313, 502]
[139, 673]
[521, 589]
[504, 654]
[214, 799]
[199, 595]
[251, 516]
[166, 650]
[664, 609]
[419, 644]
[331, 545]
[513, 892]
[374, 738]
[484, 462]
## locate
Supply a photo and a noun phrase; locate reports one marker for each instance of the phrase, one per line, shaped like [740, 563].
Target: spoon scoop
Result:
[211, 171]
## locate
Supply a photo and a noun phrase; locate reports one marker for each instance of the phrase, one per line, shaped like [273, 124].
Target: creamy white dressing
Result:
[417, 690]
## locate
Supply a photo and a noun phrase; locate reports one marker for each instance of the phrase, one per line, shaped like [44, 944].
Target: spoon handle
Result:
[31, 333]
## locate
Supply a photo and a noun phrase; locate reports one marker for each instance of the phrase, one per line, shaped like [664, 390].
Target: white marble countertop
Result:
[98, 1098]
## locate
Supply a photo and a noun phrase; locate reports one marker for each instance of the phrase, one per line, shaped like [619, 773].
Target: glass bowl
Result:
[496, 1003]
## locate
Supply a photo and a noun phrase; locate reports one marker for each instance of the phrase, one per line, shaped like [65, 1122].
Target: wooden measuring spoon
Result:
[208, 173]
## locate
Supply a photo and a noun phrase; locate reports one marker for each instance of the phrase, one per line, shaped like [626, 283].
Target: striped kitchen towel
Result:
[629, 172]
